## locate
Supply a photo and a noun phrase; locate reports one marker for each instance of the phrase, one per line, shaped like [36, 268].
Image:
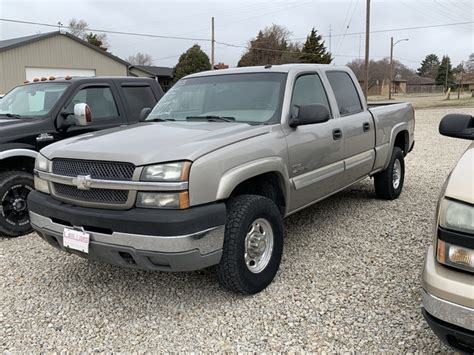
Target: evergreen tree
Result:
[429, 66]
[96, 40]
[314, 50]
[194, 60]
[445, 69]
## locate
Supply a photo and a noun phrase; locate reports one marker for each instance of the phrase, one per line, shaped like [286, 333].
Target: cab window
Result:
[308, 90]
[99, 99]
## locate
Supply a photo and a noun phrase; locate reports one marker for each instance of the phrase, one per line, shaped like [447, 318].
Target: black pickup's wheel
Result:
[14, 189]
[389, 183]
[253, 244]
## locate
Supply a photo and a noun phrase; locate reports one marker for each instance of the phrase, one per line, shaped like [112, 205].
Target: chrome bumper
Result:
[206, 241]
[447, 311]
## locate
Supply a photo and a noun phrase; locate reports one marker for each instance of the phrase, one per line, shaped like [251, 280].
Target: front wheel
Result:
[253, 244]
[389, 183]
[14, 189]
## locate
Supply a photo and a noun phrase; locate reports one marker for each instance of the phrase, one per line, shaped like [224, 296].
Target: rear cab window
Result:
[345, 92]
[138, 97]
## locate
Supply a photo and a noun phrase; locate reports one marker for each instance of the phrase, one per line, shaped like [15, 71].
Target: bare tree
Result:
[78, 28]
[140, 59]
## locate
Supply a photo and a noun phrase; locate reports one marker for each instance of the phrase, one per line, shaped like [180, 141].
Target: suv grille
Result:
[115, 197]
[104, 170]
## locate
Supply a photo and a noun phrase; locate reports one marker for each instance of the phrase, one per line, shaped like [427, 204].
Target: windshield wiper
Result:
[160, 120]
[10, 115]
[211, 118]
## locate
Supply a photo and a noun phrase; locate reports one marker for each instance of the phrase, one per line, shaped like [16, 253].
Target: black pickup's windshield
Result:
[253, 98]
[31, 100]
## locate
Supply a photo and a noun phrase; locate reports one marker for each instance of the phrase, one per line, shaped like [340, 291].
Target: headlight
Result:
[178, 171]
[456, 216]
[41, 163]
[455, 256]
[176, 200]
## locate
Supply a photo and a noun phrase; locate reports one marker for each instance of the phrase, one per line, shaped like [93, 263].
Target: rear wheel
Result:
[389, 183]
[14, 189]
[253, 244]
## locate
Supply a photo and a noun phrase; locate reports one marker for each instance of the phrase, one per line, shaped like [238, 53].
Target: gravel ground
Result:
[349, 281]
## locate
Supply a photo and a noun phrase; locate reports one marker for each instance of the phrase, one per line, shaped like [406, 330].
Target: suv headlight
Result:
[457, 217]
[41, 164]
[177, 171]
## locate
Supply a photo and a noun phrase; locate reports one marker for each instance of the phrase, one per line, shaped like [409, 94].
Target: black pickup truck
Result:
[39, 113]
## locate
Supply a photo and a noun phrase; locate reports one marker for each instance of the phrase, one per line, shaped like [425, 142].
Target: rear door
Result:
[358, 127]
[315, 151]
[138, 96]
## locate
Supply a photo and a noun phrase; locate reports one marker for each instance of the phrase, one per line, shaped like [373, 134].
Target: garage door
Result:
[32, 72]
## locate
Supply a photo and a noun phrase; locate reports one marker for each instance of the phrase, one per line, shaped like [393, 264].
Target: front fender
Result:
[232, 178]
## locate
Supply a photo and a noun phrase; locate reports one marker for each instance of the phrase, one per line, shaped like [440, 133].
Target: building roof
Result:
[158, 71]
[21, 41]
[419, 80]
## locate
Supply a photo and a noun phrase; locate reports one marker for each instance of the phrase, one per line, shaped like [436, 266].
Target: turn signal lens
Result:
[41, 185]
[455, 256]
[176, 200]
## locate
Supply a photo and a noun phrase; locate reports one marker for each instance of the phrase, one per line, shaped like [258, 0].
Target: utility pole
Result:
[460, 81]
[330, 38]
[213, 43]
[367, 37]
[391, 64]
[447, 73]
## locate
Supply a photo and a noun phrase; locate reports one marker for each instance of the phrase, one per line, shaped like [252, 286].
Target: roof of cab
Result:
[281, 68]
[88, 78]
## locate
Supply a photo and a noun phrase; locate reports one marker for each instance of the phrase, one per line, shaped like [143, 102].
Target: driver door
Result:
[315, 151]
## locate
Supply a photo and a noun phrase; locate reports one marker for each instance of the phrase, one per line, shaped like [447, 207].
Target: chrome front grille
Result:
[114, 197]
[104, 170]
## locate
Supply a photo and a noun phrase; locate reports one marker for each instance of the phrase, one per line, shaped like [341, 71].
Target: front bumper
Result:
[168, 240]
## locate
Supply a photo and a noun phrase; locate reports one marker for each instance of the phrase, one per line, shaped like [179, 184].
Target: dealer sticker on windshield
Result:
[76, 240]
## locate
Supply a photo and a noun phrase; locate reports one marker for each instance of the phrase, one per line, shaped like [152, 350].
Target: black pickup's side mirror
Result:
[310, 114]
[144, 114]
[457, 126]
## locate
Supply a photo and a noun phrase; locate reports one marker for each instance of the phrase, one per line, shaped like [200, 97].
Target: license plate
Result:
[76, 240]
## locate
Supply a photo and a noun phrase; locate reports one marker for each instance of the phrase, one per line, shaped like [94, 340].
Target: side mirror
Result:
[457, 126]
[310, 114]
[82, 115]
[144, 114]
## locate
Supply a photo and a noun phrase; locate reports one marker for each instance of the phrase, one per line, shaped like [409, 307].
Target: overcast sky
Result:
[237, 22]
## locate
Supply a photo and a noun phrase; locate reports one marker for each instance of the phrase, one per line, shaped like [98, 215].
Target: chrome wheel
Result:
[258, 245]
[396, 174]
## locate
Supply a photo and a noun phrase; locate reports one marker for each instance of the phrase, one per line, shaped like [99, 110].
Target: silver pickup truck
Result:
[218, 163]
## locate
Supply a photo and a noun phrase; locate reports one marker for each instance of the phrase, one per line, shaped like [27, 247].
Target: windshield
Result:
[250, 98]
[31, 100]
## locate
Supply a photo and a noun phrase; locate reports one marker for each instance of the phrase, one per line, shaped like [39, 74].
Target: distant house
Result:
[164, 75]
[419, 84]
[60, 54]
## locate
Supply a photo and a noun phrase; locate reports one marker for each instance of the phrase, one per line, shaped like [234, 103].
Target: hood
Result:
[460, 184]
[149, 143]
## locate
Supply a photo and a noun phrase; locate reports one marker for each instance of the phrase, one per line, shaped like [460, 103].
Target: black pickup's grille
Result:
[104, 170]
[115, 197]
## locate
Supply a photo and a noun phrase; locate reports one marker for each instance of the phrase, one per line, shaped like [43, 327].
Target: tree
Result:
[470, 64]
[79, 29]
[314, 50]
[445, 73]
[97, 40]
[140, 59]
[270, 46]
[429, 66]
[194, 60]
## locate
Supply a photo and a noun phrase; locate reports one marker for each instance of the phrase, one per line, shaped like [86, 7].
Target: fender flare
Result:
[19, 152]
[403, 126]
[233, 177]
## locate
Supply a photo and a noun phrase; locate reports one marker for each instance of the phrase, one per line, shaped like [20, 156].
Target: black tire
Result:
[383, 181]
[14, 189]
[233, 272]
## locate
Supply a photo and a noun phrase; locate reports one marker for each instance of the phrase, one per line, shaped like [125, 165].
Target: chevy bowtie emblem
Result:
[83, 182]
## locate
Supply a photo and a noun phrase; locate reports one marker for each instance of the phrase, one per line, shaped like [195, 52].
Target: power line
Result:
[400, 29]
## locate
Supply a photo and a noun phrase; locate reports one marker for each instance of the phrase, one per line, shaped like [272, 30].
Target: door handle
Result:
[336, 134]
[366, 126]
